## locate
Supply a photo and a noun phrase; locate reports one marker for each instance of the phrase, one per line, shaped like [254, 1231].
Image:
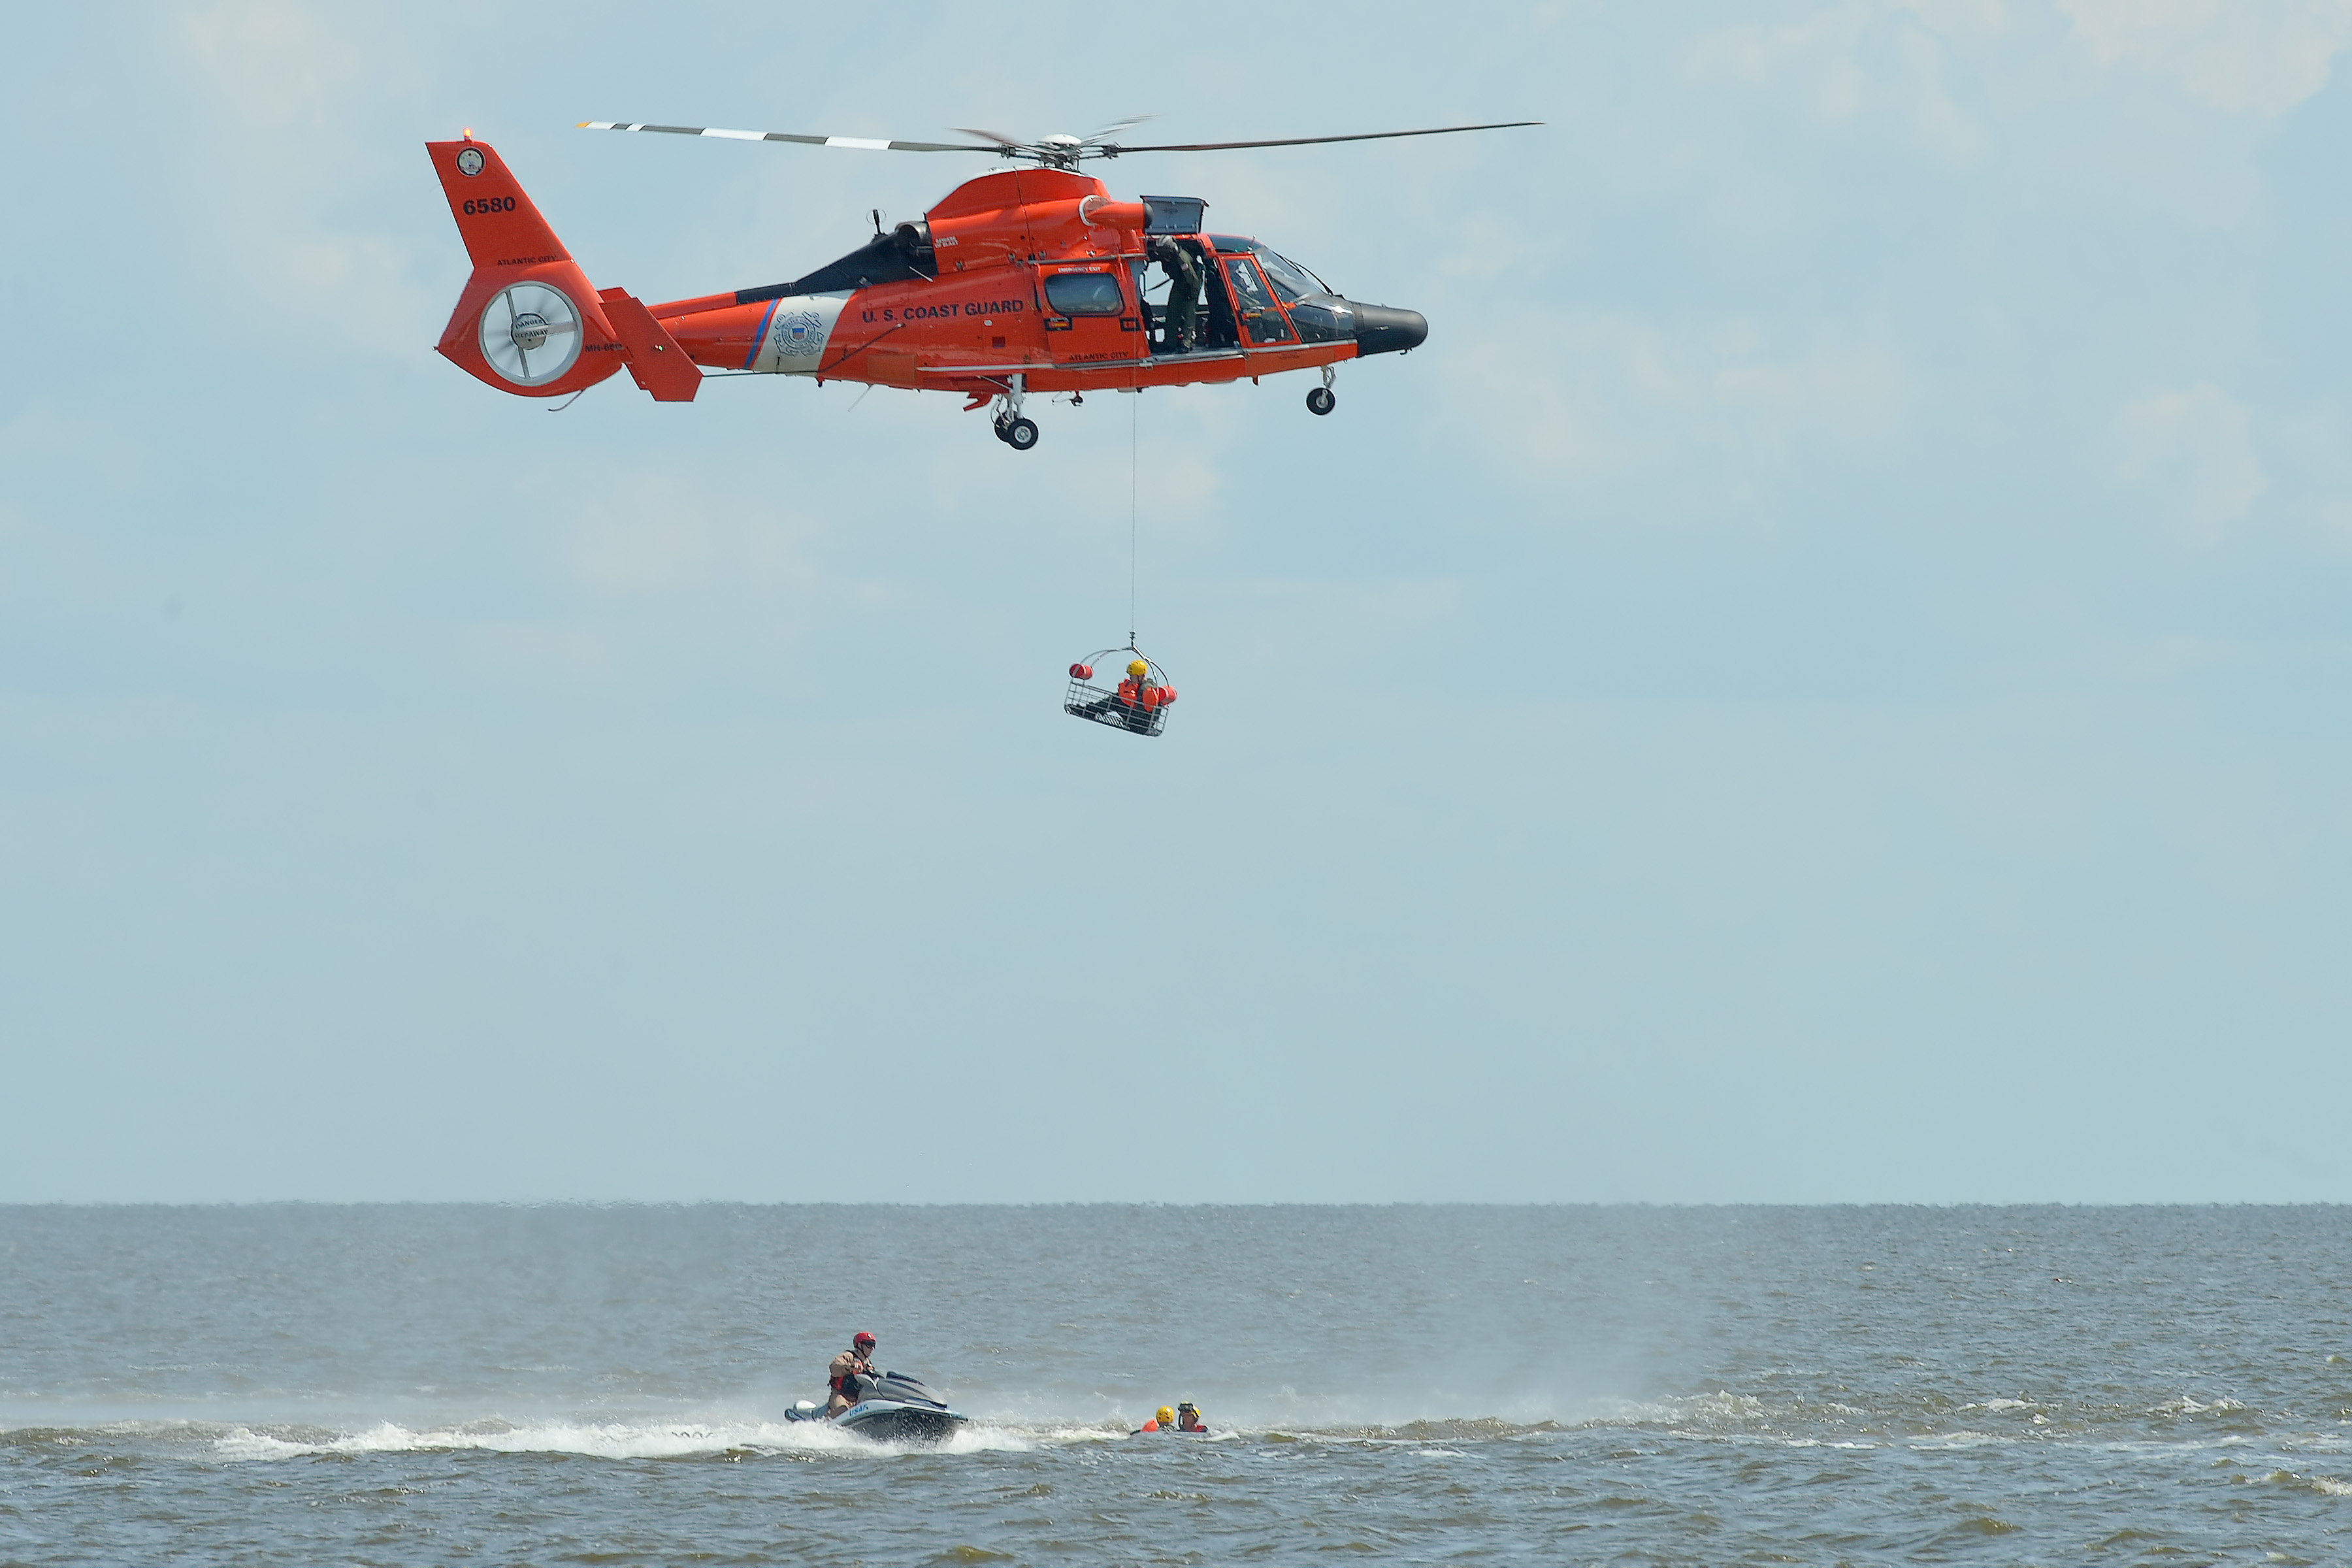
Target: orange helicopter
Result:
[1028, 280]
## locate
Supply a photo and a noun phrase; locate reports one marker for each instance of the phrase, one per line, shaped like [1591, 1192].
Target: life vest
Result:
[845, 1384]
[1127, 694]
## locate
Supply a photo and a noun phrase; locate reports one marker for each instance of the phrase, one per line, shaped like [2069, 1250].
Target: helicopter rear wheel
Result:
[1021, 434]
[1320, 400]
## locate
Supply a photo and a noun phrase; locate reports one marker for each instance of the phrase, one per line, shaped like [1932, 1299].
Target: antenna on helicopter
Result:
[877, 223]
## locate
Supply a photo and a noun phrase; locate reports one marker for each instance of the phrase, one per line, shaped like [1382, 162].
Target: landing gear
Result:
[1014, 431]
[1322, 400]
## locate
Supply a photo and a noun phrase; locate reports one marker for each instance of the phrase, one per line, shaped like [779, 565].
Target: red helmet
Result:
[862, 1339]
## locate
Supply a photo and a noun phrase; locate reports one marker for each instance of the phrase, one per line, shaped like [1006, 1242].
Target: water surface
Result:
[398, 1385]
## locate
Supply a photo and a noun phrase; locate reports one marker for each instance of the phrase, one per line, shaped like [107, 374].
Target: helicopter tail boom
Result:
[528, 320]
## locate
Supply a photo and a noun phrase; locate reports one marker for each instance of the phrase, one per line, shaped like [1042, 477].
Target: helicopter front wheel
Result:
[1021, 434]
[1322, 400]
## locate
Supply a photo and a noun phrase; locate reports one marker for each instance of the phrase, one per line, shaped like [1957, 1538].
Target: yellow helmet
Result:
[1138, 669]
[1167, 1416]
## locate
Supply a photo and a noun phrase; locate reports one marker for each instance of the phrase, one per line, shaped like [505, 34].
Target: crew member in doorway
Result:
[851, 1364]
[1183, 319]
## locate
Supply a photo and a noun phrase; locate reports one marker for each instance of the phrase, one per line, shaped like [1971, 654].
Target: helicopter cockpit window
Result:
[1257, 308]
[1290, 281]
[1323, 319]
[1249, 294]
[1084, 294]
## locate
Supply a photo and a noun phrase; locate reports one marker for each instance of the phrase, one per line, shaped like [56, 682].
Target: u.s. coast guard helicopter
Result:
[1031, 279]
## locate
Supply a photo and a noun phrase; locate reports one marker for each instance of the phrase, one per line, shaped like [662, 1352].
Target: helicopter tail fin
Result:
[499, 223]
[528, 321]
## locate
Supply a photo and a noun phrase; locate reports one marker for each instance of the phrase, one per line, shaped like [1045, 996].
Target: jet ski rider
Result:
[851, 1364]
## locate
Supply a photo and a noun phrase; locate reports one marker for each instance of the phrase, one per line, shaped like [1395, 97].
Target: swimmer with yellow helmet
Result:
[1185, 1417]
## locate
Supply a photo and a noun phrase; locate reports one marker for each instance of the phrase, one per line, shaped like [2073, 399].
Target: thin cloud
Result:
[2191, 452]
[2247, 56]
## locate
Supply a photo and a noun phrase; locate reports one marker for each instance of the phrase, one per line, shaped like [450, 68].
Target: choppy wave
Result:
[621, 1440]
[267, 1442]
[1926, 1423]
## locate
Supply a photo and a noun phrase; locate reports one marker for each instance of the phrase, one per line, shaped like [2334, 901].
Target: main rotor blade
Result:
[998, 137]
[1093, 137]
[1116, 151]
[864, 143]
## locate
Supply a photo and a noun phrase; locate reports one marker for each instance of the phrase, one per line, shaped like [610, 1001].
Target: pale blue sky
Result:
[1826, 677]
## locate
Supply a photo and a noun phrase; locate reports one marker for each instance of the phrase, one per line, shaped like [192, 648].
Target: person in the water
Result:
[842, 1377]
[1185, 1417]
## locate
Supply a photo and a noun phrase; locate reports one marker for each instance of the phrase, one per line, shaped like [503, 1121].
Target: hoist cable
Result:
[1134, 420]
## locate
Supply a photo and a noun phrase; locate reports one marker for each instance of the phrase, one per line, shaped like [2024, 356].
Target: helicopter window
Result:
[1323, 319]
[1290, 281]
[1084, 294]
[1249, 294]
[1257, 311]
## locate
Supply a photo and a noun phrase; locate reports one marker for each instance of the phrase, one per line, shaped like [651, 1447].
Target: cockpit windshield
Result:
[1290, 280]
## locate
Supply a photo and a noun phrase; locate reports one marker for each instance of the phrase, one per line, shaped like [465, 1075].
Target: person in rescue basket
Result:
[851, 1364]
[1135, 706]
[1137, 696]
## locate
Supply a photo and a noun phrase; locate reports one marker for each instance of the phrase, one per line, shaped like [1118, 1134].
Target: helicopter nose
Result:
[1381, 331]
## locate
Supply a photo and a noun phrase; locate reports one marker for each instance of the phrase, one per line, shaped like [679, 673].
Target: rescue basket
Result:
[1138, 705]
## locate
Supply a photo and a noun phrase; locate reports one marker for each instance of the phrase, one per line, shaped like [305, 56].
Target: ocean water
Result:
[429, 1384]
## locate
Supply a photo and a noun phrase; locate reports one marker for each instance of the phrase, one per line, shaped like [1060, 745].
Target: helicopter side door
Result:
[1089, 317]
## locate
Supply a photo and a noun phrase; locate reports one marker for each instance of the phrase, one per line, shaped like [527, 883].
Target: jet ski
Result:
[890, 1408]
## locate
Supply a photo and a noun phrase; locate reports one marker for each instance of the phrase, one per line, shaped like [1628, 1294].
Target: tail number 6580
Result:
[491, 204]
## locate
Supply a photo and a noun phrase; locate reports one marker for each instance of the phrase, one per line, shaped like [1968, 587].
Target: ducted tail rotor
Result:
[531, 333]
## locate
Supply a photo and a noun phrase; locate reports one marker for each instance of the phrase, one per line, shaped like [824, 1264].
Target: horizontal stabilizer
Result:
[659, 365]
